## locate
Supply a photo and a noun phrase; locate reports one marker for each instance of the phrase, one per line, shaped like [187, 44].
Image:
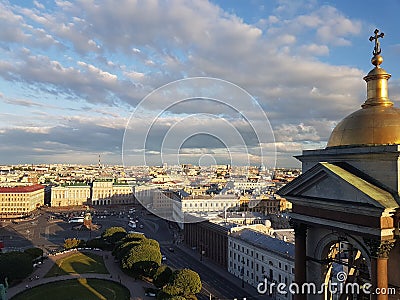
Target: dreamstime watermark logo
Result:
[338, 286]
[200, 121]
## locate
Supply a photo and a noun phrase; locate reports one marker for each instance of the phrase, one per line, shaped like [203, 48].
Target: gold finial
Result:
[377, 59]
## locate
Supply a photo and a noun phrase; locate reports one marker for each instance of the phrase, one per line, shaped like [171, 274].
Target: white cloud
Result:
[38, 4]
[117, 54]
[314, 50]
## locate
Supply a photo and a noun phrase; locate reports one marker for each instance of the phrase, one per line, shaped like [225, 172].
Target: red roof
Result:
[21, 189]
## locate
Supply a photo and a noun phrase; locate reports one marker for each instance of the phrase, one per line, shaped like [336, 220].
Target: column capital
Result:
[300, 229]
[379, 248]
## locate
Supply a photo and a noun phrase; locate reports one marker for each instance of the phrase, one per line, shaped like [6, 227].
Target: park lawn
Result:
[78, 263]
[88, 289]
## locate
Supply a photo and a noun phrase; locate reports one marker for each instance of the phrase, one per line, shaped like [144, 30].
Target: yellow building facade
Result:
[73, 195]
[20, 201]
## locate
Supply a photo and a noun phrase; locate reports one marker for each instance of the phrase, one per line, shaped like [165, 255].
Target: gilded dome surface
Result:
[374, 125]
[377, 122]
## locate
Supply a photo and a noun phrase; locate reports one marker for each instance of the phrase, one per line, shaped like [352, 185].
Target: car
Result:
[171, 249]
[141, 226]
[163, 257]
[150, 292]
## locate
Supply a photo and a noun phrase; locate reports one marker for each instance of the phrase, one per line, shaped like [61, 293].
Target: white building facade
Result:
[213, 204]
[257, 258]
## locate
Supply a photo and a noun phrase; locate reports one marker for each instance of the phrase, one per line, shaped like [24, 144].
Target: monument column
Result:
[300, 264]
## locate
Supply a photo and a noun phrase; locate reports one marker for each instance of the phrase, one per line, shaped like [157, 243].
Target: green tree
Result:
[126, 243]
[114, 234]
[15, 265]
[177, 298]
[34, 252]
[96, 243]
[153, 243]
[143, 258]
[123, 249]
[186, 281]
[134, 237]
[73, 243]
[162, 276]
[168, 292]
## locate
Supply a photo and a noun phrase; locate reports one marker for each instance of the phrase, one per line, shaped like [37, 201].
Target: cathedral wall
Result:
[382, 163]
[394, 266]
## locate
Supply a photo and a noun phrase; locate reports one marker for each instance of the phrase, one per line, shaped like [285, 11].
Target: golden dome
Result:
[375, 125]
[377, 122]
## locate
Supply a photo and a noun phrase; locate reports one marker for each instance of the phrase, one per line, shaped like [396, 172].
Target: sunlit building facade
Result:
[20, 201]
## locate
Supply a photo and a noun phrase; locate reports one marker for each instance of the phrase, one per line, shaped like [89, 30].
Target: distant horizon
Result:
[149, 166]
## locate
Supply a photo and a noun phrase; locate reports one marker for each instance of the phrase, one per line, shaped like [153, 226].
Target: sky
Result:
[243, 82]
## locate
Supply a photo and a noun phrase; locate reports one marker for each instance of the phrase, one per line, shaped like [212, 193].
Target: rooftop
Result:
[264, 241]
[21, 189]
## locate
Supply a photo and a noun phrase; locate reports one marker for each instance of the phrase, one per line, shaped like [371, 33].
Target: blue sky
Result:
[76, 76]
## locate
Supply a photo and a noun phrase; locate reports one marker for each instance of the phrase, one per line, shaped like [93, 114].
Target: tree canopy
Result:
[114, 234]
[15, 265]
[183, 282]
[34, 252]
[162, 276]
[143, 258]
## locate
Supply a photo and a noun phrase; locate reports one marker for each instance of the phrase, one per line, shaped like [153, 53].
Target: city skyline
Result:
[72, 74]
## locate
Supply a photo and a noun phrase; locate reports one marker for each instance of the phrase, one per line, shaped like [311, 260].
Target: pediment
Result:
[329, 182]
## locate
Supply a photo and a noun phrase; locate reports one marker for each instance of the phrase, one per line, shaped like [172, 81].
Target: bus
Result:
[76, 220]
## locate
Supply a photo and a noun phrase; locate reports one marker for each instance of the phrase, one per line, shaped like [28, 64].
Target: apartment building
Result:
[21, 200]
[219, 203]
[256, 257]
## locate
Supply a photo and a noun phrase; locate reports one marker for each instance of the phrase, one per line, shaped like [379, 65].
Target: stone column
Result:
[379, 266]
[300, 268]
